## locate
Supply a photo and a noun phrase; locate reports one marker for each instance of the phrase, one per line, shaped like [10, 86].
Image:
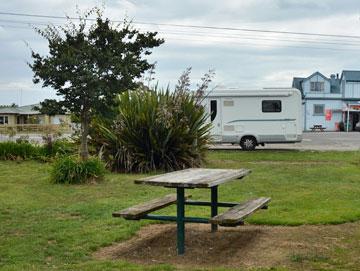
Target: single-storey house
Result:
[23, 116]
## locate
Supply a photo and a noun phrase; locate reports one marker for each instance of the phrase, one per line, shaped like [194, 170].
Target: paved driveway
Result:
[322, 141]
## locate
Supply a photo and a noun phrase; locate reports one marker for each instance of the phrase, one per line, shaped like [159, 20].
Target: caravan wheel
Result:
[248, 143]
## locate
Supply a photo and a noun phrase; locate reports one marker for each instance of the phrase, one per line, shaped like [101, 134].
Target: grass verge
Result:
[45, 226]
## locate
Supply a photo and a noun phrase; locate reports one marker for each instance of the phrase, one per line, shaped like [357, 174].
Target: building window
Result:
[319, 109]
[271, 106]
[4, 120]
[316, 86]
[213, 109]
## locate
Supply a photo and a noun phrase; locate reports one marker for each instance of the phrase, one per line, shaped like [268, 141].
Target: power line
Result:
[247, 37]
[271, 46]
[192, 26]
[234, 37]
[221, 35]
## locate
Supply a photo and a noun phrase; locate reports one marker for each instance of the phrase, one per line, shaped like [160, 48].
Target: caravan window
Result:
[213, 109]
[271, 106]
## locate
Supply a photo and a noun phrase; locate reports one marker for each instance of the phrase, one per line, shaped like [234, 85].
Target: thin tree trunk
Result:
[84, 151]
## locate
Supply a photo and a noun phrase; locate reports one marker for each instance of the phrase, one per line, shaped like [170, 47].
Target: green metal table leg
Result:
[214, 206]
[180, 220]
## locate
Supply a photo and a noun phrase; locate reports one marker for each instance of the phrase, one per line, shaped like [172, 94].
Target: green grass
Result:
[47, 226]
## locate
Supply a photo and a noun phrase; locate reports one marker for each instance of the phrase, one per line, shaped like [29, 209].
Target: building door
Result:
[216, 119]
[355, 119]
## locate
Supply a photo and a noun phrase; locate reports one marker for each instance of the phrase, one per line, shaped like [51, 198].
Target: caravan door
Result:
[291, 130]
[216, 119]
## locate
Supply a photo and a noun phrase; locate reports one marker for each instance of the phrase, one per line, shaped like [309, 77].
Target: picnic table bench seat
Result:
[138, 211]
[318, 127]
[235, 215]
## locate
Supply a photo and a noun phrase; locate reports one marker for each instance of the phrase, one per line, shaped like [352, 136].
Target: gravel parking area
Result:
[320, 141]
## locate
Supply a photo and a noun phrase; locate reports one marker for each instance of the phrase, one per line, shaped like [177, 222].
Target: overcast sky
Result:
[241, 59]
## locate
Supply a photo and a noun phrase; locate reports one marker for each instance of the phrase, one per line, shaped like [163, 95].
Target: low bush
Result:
[23, 150]
[59, 147]
[72, 170]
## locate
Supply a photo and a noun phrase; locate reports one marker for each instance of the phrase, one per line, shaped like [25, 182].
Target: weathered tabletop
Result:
[194, 177]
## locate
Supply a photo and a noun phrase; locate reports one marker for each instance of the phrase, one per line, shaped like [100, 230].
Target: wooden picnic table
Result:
[190, 179]
[318, 127]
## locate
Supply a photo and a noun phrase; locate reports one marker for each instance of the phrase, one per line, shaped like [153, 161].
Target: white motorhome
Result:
[255, 117]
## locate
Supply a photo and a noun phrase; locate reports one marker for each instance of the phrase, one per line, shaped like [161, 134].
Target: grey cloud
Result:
[237, 62]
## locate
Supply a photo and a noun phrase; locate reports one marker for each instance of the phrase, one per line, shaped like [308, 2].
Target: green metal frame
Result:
[174, 218]
[208, 203]
[180, 220]
[214, 206]
[180, 217]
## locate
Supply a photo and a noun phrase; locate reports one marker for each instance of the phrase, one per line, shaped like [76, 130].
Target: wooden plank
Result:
[236, 175]
[137, 211]
[181, 177]
[194, 177]
[236, 214]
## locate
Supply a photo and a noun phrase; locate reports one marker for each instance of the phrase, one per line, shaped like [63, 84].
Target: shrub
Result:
[58, 147]
[72, 170]
[23, 139]
[156, 130]
[23, 150]
[341, 126]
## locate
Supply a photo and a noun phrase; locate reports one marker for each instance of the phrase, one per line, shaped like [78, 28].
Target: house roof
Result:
[317, 73]
[297, 82]
[21, 110]
[352, 76]
[334, 83]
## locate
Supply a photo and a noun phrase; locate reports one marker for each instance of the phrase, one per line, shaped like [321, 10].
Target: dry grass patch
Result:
[300, 248]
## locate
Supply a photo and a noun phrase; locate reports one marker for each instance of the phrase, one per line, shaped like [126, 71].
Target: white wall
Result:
[312, 119]
[352, 90]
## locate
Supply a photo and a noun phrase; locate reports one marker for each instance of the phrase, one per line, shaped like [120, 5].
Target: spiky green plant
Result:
[72, 170]
[156, 130]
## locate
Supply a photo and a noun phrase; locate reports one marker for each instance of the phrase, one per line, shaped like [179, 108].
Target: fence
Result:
[35, 129]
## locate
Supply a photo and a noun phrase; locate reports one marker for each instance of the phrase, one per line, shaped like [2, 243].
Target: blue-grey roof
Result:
[297, 83]
[21, 110]
[352, 76]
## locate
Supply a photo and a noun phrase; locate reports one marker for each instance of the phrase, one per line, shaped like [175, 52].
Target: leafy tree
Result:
[89, 66]
[50, 107]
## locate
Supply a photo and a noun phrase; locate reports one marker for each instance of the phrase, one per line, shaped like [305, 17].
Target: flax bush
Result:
[72, 170]
[157, 130]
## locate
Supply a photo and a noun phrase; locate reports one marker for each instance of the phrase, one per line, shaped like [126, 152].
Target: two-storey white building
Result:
[333, 103]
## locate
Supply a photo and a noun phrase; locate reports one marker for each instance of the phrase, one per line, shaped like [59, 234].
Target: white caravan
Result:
[255, 117]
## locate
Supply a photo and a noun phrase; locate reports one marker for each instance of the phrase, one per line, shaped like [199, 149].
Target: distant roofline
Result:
[342, 74]
[267, 92]
[318, 73]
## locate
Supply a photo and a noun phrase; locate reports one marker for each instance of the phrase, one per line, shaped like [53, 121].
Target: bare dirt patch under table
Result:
[247, 246]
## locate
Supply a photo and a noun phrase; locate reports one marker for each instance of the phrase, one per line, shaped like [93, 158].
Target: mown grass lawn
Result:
[45, 226]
